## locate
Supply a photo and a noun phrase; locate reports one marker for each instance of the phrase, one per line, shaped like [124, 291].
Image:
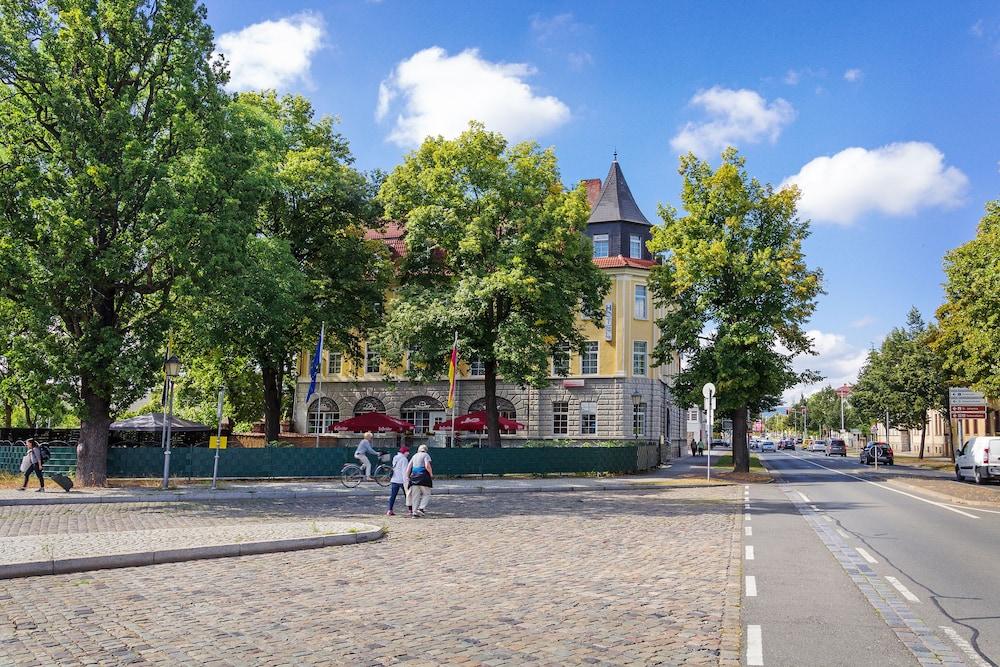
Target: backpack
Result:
[43, 450]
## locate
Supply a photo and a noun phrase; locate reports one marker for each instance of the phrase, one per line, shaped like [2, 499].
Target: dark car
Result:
[787, 444]
[880, 450]
[836, 448]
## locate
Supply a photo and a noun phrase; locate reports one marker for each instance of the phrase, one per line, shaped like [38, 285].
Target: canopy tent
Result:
[154, 421]
[476, 421]
[376, 422]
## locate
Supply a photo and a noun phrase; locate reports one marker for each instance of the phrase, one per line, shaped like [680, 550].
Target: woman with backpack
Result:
[420, 475]
[32, 463]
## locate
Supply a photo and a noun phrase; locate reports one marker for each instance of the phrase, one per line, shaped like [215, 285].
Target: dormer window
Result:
[635, 246]
[600, 245]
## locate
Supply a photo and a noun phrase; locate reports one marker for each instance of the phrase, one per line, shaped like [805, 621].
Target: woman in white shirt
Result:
[398, 481]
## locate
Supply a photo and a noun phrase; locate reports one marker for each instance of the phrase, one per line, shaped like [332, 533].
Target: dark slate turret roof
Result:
[616, 203]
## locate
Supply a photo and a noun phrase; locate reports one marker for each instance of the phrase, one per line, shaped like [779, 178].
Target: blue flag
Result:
[315, 362]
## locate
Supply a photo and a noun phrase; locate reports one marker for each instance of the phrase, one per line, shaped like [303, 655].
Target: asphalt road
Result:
[831, 547]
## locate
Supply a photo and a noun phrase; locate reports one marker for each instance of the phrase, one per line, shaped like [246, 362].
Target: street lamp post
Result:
[171, 368]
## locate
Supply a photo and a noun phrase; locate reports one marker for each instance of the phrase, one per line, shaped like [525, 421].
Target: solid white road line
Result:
[903, 590]
[888, 488]
[755, 647]
[965, 647]
[803, 496]
[846, 536]
[867, 556]
[751, 587]
[748, 531]
[749, 552]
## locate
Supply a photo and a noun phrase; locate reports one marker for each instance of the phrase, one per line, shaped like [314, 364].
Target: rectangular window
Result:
[588, 359]
[639, 420]
[560, 359]
[372, 362]
[560, 417]
[421, 420]
[693, 415]
[600, 245]
[335, 363]
[639, 357]
[588, 418]
[640, 302]
[477, 367]
[635, 246]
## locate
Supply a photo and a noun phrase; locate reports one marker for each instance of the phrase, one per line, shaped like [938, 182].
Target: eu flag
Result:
[314, 364]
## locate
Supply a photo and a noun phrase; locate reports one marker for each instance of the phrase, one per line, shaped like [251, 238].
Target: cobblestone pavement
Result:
[622, 578]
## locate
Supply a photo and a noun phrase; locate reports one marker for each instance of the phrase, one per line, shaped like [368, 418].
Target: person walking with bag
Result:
[400, 463]
[421, 477]
[32, 463]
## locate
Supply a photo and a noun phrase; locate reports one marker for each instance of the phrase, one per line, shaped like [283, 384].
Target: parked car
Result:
[754, 445]
[716, 444]
[798, 441]
[786, 444]
[836, 447]
[818, 446]
[767, 446]
[880, 450]
[973, 460]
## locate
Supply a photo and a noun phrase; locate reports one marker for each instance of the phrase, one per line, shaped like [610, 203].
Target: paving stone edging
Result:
[140, 559]
[201, 496]
[731, 645]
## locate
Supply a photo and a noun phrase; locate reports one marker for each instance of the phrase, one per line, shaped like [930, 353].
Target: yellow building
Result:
[611, 390]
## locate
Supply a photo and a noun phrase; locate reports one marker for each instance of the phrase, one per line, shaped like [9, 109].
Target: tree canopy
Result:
[495, 252]
[735, 289]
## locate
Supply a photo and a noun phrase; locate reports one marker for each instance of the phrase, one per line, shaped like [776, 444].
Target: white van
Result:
[979, 458]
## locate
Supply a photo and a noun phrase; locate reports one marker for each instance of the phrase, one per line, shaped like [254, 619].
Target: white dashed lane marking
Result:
[749, 552]
[755, 646]
[803, 497]
[965, 647]
[748, 531]
[903, 590]
[751, 587]
[843, 534]
[867, 556]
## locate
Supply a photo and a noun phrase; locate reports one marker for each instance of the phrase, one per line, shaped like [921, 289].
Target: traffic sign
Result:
[968, 412]
[708, 390]
[962, 396]
[217, 442]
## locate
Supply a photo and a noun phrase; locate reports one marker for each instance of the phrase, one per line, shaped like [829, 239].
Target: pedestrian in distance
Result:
[32, 463]
[400, 462]
[420, 474]
[694, 448]
[361, 454]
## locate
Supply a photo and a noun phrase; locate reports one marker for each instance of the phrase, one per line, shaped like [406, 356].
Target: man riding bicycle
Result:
[361, 454]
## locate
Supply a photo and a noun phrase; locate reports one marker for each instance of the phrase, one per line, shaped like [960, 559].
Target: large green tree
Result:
[904, 378]
[735, 289]
[121, 171]
[496, 252]
[305, 258]
[968, 337]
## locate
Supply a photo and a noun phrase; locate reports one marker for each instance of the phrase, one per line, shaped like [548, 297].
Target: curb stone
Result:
[140, 559]
[731, 645]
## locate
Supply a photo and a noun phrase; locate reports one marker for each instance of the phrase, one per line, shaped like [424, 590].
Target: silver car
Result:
[767, 446]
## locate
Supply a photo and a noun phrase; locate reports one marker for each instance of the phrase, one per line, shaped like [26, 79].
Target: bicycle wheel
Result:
[383, 475]
[351, 475]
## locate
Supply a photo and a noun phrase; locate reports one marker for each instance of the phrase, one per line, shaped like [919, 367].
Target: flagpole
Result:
[455, 390]
[319, 425]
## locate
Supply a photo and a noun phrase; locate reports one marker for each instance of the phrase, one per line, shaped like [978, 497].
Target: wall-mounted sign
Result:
[609, 321]
[570, 384]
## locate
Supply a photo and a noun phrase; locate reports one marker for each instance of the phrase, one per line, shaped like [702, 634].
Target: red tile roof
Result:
[391, 233]
[619, 261]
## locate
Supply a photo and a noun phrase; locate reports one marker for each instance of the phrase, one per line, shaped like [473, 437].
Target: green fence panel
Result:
[63, 459]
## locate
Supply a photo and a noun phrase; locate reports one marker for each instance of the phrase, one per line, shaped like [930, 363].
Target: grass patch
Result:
[727, 462]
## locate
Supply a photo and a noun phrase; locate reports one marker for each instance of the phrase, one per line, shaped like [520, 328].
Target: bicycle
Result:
[352, 474]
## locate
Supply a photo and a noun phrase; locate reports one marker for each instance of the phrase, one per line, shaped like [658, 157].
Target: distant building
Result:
[611, 390]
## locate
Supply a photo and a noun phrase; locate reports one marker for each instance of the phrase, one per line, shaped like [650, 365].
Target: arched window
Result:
[322, 413]
[422, 412]
[504, 407]
[368, 404]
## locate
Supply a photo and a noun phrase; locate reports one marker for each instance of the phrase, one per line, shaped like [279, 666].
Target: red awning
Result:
[376, 422]
[476, 421]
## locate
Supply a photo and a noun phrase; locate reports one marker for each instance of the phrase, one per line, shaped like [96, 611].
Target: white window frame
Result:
[640, 360]
[591, 347]
[640, 308]
[635, 246]
[477, 367]
[639, 420]
[588, 417]
[605, 239]
[421, 419]
[323, 418]
[371, 356]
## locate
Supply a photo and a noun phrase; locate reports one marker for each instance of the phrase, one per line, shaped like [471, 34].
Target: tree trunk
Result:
[741, 452]
[923, 438]
[492, 414]
[272, 402]
[28, 419]
[8, 414]
[92, 450]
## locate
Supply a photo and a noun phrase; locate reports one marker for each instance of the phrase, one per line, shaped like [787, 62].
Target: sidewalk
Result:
[685, 471]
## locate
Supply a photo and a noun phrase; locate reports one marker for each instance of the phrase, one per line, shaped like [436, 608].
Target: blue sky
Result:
[885, 114]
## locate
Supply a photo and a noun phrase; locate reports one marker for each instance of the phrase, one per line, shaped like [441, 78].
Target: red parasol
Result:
[376, 422]
[476, 421]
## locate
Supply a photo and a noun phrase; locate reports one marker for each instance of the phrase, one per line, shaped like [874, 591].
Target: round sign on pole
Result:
[708, 390]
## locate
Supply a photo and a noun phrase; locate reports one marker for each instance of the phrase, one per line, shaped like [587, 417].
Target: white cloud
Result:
[733, 117]
[837, 360]
[440, 94]
[854, 75]
[555, 27]
[272, 54]
[897, 180]
[977, 29]
[792, 77]
[864, 321]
